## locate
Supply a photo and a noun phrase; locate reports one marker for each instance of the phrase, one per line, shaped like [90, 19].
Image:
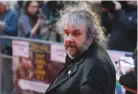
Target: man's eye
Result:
[66, 33]
[76, 34]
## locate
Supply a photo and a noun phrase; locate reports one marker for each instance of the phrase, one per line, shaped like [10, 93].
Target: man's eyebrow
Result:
[65, 30]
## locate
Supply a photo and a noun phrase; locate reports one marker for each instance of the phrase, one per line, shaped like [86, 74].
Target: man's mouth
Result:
[71, 47]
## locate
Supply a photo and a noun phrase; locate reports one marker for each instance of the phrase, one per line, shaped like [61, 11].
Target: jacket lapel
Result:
[61, 78]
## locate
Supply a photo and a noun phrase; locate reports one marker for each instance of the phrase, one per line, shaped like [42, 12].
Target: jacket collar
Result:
[60, 78]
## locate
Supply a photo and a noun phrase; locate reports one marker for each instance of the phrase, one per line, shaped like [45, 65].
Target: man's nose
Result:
[69, 37]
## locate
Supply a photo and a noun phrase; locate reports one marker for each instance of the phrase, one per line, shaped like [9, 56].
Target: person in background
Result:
[8, 25]
[107, 13]
[29, 21]
[129, 79]
[52, 16]
[88, 68]
[124, 26]
[50, 10]
[19, 7]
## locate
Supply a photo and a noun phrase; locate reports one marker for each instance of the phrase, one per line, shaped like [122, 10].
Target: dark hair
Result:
[32, 18]
[27, 4]
[20, 3]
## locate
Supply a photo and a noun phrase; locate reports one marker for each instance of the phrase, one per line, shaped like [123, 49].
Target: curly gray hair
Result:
[78, 14]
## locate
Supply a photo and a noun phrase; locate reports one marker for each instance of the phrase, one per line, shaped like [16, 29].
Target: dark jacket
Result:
[124, 31]
[90, 73]
[130, 79]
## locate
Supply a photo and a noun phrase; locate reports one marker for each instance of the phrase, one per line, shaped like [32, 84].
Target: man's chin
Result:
[71, 54]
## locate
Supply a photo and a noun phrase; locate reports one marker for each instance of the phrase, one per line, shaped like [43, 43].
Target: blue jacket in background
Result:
[10, 17]
[25, 27]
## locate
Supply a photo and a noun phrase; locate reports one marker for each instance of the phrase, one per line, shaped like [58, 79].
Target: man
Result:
[8, 24]
[88, 68]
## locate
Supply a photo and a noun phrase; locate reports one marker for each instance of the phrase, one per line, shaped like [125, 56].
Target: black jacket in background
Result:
[91, 73]
[130, 79]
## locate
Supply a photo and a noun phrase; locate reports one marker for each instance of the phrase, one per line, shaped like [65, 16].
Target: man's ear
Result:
[90, 40]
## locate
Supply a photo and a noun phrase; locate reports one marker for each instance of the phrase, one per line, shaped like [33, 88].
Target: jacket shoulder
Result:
[89, 63]
[100, 60]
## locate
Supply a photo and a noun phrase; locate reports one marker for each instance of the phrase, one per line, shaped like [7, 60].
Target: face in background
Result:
[26, 62]
[33, 7]
[75, 39]
[2, 8]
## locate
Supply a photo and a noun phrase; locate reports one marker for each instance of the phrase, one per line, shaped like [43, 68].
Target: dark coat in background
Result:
[90, 73]
[124, 31]
[130, 79]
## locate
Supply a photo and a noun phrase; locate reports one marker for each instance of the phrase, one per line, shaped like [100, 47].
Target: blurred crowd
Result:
[28, 19]
[120, 21]
[36, 20]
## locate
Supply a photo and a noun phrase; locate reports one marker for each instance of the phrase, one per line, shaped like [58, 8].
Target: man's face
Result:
[33, 8]
[75, 39]
[2, 7]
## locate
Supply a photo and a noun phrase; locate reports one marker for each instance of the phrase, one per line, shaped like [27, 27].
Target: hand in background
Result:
[2, 24]
[39, 20]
